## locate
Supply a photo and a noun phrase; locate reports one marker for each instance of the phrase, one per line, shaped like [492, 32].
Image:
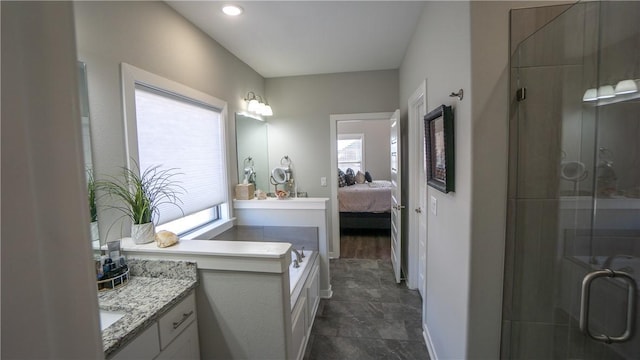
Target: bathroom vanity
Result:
[153, 315]
[252, 303]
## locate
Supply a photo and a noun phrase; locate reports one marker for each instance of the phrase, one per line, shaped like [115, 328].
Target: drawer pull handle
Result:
[177, 324]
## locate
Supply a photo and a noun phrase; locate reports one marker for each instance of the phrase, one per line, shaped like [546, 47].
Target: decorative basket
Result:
[114, 282]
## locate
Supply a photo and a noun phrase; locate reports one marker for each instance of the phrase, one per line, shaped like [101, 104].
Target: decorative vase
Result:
[95, 235]
[143, 233]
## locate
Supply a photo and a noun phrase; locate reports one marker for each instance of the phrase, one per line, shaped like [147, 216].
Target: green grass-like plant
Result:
[141, 195]
[91, 191]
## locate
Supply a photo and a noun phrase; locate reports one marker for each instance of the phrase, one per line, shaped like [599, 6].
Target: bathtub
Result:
[297, 276]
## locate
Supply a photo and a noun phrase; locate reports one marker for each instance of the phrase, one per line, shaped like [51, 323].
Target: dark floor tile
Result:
[409, 297]
[391, 329]
[327, 326]
[368, 317]
[356, 309]
[363, 293]
[409, 350]
[400, 311]
[414, 329]
[337, 348]
[358, 327]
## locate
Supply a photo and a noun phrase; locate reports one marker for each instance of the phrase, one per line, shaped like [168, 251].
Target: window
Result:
[351, 152]
[171, 125]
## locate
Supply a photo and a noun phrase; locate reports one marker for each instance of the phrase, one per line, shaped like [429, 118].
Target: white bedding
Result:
[367, 197]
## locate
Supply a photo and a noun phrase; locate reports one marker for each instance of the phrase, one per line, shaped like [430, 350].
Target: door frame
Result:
[333, 160]
[416, 156]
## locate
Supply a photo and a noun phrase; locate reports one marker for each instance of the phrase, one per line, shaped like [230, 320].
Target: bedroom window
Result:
[351, 152]
[177, 127]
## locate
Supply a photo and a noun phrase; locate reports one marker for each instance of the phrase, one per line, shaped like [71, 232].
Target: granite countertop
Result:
[154, 287]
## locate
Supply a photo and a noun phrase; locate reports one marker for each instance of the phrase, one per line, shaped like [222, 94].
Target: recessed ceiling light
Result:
[232, 10]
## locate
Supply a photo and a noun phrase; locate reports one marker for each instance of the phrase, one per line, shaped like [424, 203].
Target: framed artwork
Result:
[439, 148]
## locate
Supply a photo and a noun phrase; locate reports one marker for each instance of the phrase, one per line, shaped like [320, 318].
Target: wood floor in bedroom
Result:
[365, 244]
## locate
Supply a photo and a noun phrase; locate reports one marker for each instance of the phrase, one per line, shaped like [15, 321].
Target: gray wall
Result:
[302, 106]
[152, 37]
[377, 154]
[440, 53]
[49, 302]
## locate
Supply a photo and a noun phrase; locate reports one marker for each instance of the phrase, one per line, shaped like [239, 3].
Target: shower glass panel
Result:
[574, 186]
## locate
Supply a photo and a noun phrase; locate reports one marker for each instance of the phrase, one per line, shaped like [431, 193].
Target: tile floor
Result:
[368, 317]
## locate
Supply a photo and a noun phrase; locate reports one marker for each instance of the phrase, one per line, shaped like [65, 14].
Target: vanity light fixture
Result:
[627, 86]
[232, 10]
[257, 106]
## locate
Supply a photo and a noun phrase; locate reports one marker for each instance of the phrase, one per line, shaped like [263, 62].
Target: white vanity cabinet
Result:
[173, 336]
[304, 311]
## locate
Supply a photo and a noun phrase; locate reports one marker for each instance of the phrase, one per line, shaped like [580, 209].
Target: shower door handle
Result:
[631, 305]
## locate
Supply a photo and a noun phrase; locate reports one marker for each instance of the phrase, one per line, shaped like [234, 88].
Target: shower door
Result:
[572, 267]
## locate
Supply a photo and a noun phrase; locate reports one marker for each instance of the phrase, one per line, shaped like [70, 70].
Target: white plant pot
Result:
[143, 233]
[95, 235]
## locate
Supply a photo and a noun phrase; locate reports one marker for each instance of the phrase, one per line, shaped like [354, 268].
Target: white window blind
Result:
[176, 132]
[350, 148]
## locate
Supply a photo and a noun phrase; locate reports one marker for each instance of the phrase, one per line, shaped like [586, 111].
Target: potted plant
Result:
[93, 211]
[140, 196]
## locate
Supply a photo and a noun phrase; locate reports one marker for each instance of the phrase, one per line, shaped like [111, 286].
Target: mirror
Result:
[251, 142]
[86, 145]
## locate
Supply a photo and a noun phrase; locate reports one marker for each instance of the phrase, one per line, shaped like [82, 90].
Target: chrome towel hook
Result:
[459, 94]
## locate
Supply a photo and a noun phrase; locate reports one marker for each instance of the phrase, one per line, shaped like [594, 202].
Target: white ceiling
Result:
[288, 38]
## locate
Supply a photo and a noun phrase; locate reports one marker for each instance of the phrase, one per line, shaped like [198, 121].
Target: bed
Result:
[365, 206]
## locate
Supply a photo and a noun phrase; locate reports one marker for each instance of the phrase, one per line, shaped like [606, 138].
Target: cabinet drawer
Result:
[176, 320]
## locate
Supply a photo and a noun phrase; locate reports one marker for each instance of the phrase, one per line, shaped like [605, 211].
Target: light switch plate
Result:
[434, 205]
[323, 181]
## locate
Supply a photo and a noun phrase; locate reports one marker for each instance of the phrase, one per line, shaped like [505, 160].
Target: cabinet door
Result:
[298, 326]
[313, 295]
[185, 346]
[144, 346]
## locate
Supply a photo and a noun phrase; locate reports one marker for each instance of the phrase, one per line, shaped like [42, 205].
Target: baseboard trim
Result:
[326, 294]
[427, 340]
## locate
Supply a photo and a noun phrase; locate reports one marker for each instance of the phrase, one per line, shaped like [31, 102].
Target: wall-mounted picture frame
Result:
[439, 148]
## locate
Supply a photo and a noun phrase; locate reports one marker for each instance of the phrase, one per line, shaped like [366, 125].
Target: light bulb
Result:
[627, 86]
[261, 107]
[267, 110]
[606, 92]
[253, 106]
[590, 95]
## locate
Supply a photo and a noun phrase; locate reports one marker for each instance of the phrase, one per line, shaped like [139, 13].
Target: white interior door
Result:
[416, 277]
[396, 207]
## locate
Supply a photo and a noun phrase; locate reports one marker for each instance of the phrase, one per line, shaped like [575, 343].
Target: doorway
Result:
[361, 237]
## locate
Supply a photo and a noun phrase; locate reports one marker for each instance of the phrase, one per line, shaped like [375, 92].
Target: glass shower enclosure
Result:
[572, 269]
